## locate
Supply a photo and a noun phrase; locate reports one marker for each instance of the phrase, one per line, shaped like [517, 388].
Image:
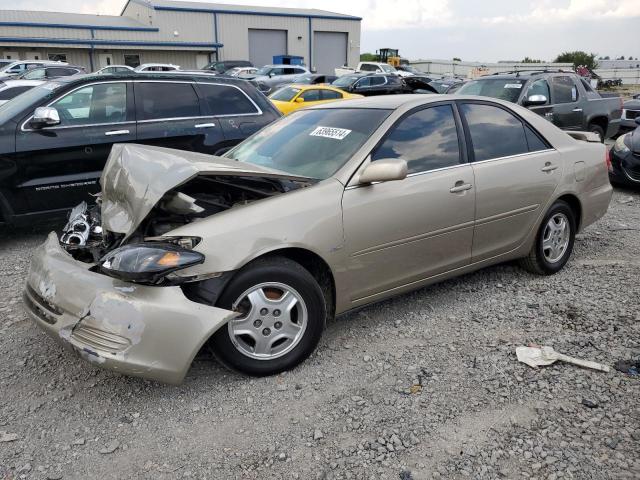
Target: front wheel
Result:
[554, 241]
[282, 316]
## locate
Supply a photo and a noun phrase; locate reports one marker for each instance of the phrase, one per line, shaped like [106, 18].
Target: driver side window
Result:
[101, 103]
[539, 87]
[426, 140]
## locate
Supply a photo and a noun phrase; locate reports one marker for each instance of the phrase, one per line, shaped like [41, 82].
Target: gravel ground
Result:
[423, 386]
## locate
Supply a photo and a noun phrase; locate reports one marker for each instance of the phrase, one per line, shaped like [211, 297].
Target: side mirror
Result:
[385, 170]
[535, 100]
[45, 117]
[271, 74]
[299, 100]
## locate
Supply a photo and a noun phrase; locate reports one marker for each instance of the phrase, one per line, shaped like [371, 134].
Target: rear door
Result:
[62, 164]
[516, 173]
[170, 114]
[567, 112]
[235, 115]
[402, 232]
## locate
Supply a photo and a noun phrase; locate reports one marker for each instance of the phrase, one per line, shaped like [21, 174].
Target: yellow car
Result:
[293, 97]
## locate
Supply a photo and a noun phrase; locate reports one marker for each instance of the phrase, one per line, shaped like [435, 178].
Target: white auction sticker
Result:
[513, 85]
[330, 132]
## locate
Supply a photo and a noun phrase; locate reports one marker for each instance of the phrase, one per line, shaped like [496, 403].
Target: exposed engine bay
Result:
[83, 236]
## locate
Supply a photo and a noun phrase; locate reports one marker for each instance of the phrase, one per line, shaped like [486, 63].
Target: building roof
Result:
[246, 9]
[30, 18]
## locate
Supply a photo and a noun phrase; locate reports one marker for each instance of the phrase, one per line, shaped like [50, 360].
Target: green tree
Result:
[578, 58]
[456, 59]
[368, 57]
[607, 57]
[530, 60]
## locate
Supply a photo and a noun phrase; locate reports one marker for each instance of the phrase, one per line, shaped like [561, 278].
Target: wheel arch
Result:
[601, 121]
[576, 206]
[315, 265]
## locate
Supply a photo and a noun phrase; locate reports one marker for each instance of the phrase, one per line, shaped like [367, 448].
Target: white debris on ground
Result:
[419, 387]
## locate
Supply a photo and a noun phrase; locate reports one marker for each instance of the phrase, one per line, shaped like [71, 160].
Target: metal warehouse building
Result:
[189, 34]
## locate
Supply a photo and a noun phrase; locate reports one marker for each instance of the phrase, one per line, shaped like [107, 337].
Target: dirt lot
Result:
[423, 386]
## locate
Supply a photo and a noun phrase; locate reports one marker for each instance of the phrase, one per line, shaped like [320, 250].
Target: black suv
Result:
[55, 138]
[564, 98]
[370, 83]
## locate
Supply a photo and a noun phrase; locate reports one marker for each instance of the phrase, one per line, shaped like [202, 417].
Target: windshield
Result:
[6, 66]
[504, 89]
[345, 80]
[264, 71]
[310, 143]
[387, 68]
[285, 94]
[26, 100]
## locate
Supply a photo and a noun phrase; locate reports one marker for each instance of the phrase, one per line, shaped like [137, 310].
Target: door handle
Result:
[205, 125]
[460, 187]
[548, 167]
[577, 110]
[117, 132]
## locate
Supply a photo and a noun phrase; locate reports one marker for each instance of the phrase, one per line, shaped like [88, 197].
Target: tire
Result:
[543, 259]
[597, 129]
[270, 337]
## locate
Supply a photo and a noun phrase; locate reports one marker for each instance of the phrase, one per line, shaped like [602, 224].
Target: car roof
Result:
[20, 83]
[523, 74]
[133, 75]
[393, 102]
[274, 65]
[305, 86]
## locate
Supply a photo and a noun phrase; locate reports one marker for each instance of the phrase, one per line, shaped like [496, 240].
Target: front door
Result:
[401, 232]
[169, 115]
[516, 173]
[62, 164]
[540, 87]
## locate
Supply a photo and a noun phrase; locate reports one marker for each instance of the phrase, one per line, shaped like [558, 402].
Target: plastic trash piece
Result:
[535, 356]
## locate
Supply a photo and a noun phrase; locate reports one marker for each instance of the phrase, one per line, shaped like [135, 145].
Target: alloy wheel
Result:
[556, 237]
[273, 320]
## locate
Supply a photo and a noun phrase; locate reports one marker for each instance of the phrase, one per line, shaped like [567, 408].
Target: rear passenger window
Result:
[157, 100]
[494, 132]
[563, 90]
[427, 140]
[330, 95]
[226, 100]
[378, 81]
[534, 141]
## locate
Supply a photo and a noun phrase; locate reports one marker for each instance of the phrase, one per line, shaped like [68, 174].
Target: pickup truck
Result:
[564, 98]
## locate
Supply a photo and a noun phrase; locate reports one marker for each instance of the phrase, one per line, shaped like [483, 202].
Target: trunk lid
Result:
[136, 177]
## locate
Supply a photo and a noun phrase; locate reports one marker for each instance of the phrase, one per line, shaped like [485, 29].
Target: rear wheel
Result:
[598, 130]
[282, 316]
[554, 241]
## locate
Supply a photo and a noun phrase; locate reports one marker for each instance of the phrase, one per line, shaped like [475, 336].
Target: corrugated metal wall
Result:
[350, 27]
[233, 32]
[187, 27]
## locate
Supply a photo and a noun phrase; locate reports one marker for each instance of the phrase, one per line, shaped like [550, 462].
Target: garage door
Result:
[329, 51]
[264, 44]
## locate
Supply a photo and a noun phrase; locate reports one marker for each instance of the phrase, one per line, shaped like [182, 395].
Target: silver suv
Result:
[269, 77]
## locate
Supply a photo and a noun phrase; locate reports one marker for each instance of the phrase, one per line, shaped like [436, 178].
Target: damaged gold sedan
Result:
[324, 211]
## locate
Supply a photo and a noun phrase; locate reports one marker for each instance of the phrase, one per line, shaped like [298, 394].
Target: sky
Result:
[474, 30]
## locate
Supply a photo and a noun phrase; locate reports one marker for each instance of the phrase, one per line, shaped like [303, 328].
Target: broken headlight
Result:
[148, 263]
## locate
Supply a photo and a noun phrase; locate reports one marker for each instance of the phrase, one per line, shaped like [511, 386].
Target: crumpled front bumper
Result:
[150, 332]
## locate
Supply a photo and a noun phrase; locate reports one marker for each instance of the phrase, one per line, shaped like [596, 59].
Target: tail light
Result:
[607, 159]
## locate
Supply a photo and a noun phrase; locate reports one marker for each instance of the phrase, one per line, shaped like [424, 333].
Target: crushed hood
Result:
[136, 177]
